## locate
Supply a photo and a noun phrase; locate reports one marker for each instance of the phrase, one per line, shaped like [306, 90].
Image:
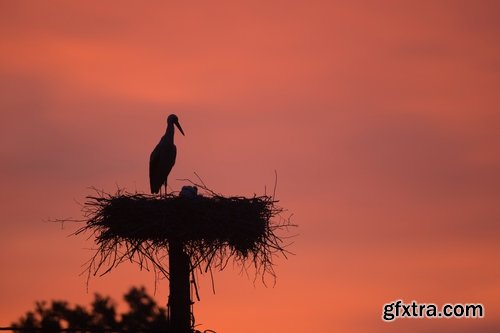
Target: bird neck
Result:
[169, 134]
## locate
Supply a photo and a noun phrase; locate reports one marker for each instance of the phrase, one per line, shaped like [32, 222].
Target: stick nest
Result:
[212, 228]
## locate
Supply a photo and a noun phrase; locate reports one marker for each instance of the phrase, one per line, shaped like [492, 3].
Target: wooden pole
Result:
[180, 292]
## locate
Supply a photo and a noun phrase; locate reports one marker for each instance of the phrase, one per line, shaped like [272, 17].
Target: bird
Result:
[162, 158]
[190, 192]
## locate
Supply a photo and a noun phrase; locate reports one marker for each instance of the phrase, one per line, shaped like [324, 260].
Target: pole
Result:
[180, 292]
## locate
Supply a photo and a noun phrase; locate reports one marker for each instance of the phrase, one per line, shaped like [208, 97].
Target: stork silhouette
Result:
[162, 158]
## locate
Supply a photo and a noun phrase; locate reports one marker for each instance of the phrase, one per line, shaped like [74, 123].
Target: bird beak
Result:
[179, 127]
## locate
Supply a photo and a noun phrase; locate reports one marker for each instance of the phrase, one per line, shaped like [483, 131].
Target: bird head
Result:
[172, 119]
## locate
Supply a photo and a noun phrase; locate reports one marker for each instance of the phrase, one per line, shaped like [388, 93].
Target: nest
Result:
[213, 229]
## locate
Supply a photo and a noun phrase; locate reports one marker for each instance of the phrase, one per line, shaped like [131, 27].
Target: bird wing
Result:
[155, 180]
[161, 162]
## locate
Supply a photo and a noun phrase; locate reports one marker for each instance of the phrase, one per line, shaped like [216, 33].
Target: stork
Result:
[162, 158]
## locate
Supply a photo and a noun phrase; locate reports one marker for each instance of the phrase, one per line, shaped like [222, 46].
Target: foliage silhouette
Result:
[144, 315]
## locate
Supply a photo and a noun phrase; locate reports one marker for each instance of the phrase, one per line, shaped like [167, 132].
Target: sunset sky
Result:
[381, 119]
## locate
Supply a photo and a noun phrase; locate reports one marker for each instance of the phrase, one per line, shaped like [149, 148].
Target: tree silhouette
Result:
[144, 315]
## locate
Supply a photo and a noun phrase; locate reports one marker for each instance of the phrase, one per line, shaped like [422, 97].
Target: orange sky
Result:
[381, 119]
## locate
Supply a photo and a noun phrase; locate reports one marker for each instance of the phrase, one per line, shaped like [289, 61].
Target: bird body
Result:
[162, 158]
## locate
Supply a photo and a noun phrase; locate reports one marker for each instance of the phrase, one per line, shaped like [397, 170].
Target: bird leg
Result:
[165, 189]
